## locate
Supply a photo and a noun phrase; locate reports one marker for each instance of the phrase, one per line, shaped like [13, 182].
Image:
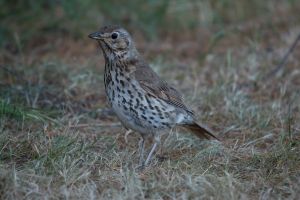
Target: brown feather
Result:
[152, 83]
[200, 131]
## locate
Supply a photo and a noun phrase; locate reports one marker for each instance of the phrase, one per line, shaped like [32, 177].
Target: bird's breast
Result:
[135, 108]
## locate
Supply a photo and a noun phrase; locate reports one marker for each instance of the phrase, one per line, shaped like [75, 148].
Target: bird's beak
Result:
[96, 36]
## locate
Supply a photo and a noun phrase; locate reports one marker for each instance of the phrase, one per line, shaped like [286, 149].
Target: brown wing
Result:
[152, 83]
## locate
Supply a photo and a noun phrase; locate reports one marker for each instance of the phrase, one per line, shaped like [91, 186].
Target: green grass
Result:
[60, 140]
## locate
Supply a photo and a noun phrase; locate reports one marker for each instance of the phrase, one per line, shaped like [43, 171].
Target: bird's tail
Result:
[200, 131]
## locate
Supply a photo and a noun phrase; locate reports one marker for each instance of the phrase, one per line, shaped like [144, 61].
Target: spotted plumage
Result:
[141, 100]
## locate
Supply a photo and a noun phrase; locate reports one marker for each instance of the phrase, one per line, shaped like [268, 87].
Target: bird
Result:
[141, 100]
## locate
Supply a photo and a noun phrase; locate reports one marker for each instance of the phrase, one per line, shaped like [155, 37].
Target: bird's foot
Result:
[162, 158]
[140, 168]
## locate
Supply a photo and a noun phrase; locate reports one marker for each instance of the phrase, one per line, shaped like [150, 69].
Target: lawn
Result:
[59, 139]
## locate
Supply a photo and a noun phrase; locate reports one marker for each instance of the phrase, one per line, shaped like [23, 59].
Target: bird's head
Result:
[114, 40]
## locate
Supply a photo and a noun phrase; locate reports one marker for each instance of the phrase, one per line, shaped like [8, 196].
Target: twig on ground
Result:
[273, 72]
[283, 60]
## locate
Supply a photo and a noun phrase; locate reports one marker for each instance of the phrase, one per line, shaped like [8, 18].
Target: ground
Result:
[60, 140]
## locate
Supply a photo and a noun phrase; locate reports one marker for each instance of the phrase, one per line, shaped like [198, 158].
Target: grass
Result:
[59, 138]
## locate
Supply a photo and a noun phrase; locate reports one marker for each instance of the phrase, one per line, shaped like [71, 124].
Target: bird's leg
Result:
[126, 135]
[157, 141]
[151, 153]
[141, 150]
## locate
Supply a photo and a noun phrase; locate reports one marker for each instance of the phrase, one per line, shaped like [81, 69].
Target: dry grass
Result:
[59, 139]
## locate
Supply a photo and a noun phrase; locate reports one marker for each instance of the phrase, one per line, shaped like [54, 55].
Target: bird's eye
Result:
[114, 35]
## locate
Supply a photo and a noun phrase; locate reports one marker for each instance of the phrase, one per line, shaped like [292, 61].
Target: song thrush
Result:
[140, 99]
